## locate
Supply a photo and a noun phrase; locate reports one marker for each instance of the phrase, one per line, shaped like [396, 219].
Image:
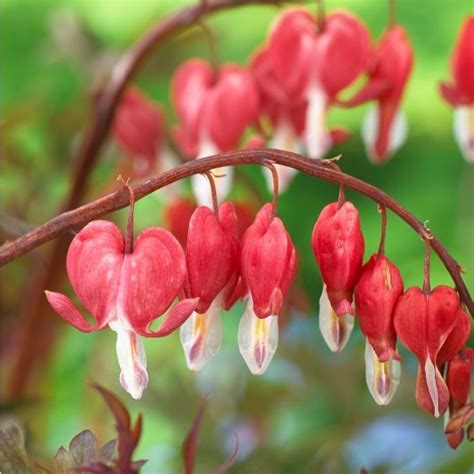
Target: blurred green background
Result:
[311, 412]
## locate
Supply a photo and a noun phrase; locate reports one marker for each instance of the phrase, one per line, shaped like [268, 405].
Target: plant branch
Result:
[318, 168]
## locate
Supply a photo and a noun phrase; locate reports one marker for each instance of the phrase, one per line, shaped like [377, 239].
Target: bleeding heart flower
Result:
[338, 246]
[376, 293]
[212, 260]
[323, 63]
[138, 128]
[458, 379]
[126, 291]
[215, 108]
[423, 321]
[461, 94]
[268, 264]
[385, 129]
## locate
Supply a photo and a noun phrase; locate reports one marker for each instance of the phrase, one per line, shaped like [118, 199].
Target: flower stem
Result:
[320, 15]
[212, 184]
[426, 273]
[392, 14]
[274, 172]
[129, 231]
[214, 53]
[341, 199]
[383, 214]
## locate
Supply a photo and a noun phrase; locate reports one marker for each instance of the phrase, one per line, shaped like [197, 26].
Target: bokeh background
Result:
[311, 412]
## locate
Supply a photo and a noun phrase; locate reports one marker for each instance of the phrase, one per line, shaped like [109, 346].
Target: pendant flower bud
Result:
[214, 108]
[376, 294]
[212, 261]
[458, 380]
[268, 263]
[139, 128]
[460, 94]
[125, 290]
[385, 129]
[423, 321]
[338, 246]
[319, 69]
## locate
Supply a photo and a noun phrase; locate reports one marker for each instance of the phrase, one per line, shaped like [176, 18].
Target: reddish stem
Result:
[341, 199]
[274, 172]
[129, 231]
[383, 214]
[392, 14]
[321, 17]
[212, 184]
[318, 168]
[426, 272]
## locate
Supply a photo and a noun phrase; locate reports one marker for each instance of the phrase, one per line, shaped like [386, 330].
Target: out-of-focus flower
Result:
[338, 246]
[138, 128]
[268, 264]
[384, 129]
[322, 64]
[376, 293]
[214, 109]
[423, 321]
[212, 260]
[126, 289]
[460, 93]
[177, 215]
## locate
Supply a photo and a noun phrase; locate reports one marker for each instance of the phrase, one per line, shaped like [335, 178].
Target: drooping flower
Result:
[214, 109]
[212, 261]
[268, 263]
[423, 321]
[385, 129]
[458, 379]
[338, 246]
[460, 94]
[376, 293]
[126, 289]
[138, 128]
[323, 63]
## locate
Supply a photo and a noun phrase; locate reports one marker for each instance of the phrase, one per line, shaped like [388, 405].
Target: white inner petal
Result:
[430, 374]
[201, 336]
[334, 329]
[258, 340]
[132, 362]
[317, 137]
[463, 127]
[382, 378]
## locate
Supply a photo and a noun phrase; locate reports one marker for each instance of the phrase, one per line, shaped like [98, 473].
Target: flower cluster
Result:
[431, 323]
[286, 103]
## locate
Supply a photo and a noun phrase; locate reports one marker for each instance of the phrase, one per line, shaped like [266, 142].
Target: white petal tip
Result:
[335, 330]
[382, 378]
[258, 340]
[201, 337]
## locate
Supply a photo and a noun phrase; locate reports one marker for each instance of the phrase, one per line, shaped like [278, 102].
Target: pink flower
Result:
[212, 261]
[138, 128]
[385, 129]
[376, 293]
[460, 93]
[214, 109]
[322, 64]
[423, 321]
[338, 246]
[125, 291]
[268, 263]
